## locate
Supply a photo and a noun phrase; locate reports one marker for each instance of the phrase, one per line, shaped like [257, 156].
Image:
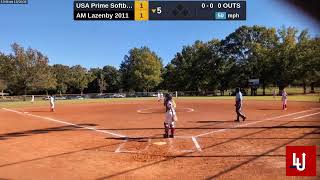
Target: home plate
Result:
[159, 143]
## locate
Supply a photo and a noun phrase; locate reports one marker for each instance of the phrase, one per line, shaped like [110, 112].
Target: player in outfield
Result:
[284, 99]
[32, 98]
[51, 100]
[160, 96]
[238, 105]
[170, 117]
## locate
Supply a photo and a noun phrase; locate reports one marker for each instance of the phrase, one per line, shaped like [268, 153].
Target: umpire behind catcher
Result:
[239, 105]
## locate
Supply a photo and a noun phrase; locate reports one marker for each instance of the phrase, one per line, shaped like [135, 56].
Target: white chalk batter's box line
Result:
[170, 141]
[119, 149]
[193, 138]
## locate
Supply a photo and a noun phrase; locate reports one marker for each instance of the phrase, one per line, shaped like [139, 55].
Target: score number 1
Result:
[141, 10]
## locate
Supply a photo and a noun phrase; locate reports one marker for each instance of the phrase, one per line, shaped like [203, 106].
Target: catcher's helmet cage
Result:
[168, 97]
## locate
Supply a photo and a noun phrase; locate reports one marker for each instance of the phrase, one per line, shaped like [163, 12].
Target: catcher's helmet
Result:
[168, 97]
[237, 90]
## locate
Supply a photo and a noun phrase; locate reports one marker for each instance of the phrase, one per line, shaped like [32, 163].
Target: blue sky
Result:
[49, 27]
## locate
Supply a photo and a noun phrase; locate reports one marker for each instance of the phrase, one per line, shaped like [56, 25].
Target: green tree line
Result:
[276, 57]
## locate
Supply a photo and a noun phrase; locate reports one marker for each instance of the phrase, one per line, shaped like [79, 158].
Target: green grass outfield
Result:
[303, 98]
[307, 98]
[291, 90]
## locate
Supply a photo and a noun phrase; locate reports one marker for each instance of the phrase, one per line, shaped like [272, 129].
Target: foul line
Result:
[307, 115]
[196, 143]
[63, 122]
[268, 119]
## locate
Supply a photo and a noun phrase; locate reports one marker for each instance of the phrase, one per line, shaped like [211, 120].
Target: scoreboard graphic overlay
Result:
[144, 10]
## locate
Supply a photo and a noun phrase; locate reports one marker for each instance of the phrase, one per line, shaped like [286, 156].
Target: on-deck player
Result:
[284, 99]
[170, 117]
[238, 105]
[51, 99]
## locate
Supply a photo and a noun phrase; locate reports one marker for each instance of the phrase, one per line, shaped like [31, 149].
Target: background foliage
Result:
[277, 57]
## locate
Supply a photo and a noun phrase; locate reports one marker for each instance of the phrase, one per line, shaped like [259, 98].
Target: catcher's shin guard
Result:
[172, 132]
[172, 129]
[166, 130]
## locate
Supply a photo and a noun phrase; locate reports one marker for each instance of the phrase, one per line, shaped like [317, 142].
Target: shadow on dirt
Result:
[270, 109]
[60, 154]
[42, 131]
[218, 128]
[137, 139]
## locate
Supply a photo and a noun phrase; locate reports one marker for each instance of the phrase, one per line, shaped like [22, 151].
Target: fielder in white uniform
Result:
[51, 99]
[159, 97]
[284, 99]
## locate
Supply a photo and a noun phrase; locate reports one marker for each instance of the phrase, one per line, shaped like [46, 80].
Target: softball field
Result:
[123, 140]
